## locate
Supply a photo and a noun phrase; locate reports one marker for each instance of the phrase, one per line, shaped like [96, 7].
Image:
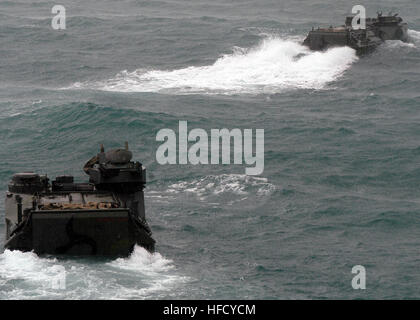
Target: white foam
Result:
[26, 266]
[153, 270]
[225, 184]
[273, 66]
[397, 44]
[140, 276]
[413, 42]
[414, 37]
[143, 261]
[30, 276]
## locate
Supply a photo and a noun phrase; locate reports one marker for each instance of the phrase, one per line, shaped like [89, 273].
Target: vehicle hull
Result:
[112, 232]
[364, 41]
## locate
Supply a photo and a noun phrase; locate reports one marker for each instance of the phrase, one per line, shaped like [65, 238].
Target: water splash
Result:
[272, 66]
[414, 37]
[413, 42]
[143, 261]
[24, 275]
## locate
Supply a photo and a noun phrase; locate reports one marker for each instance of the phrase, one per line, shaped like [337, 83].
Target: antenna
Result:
[102, 148]
[126, 145]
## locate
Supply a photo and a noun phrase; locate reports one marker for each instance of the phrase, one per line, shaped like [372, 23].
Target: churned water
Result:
[342, 145]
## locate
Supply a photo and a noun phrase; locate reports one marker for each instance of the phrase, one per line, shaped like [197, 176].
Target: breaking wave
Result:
[272, 66]
[24, 275]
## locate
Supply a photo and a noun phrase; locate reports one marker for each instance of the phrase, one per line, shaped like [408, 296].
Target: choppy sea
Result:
[341, 184]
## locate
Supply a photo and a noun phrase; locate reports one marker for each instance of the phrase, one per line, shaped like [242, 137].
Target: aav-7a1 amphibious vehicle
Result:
[365, 40]
[105, 216]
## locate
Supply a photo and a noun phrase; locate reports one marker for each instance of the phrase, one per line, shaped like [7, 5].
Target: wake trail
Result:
[272, 66]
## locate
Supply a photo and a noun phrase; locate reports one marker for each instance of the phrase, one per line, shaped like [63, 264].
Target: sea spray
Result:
[24, 275]
[272, 66]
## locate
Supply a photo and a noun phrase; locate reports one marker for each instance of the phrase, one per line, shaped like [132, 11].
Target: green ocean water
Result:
[342, 145]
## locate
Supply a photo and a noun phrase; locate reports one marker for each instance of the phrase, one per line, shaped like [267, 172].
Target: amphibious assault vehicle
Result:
[104, 216]
[365, 40]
